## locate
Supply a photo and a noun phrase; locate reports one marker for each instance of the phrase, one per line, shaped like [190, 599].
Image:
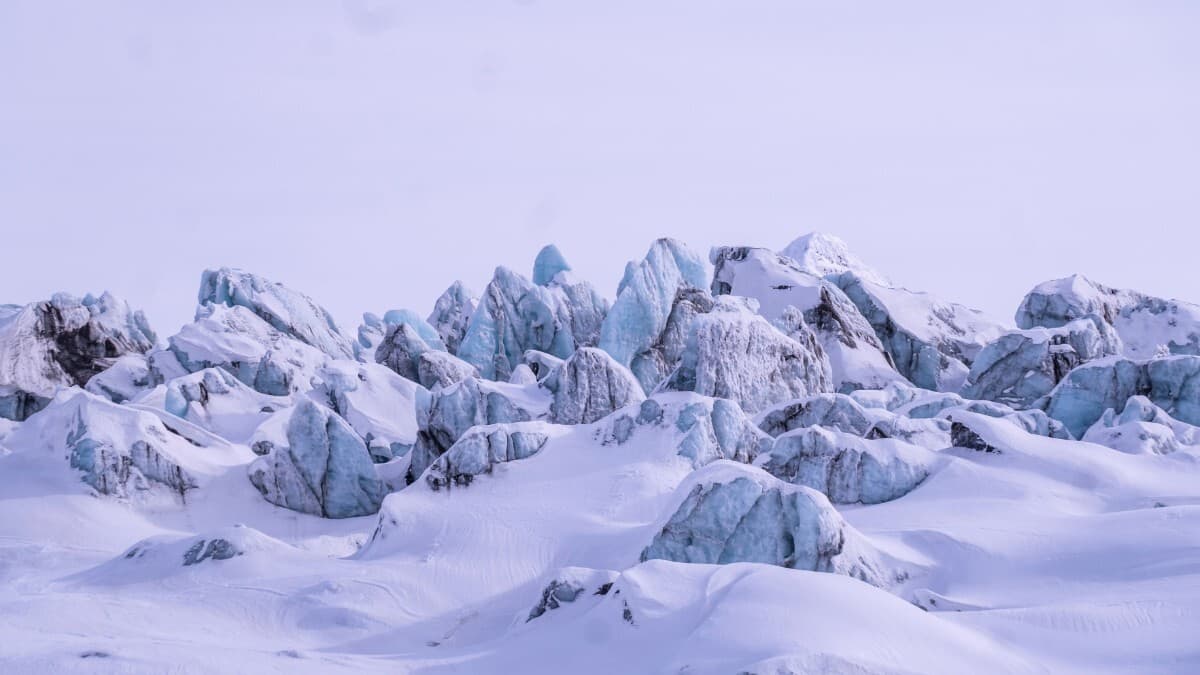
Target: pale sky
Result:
[368, 153]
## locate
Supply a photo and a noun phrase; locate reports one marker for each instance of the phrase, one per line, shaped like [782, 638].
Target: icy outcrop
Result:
[734, 353]
[733, 513]
[120, 451]
[62, 342]
[16, 404]
[1020, 367]
[1142, 428]
[703, 429]
[315, 463]
[516, 315]
[1171, 383]
[237, 340]
[856, 356]
[287, 311]
[932, 343]
[1148, 326]
[591, 385]
[451, 411]
[847, 468]
[656, 299]
[834, 411]
[824, 255]
[407, 337]
[452, 313]
[380, 405]
[929, 405]
[482, 448]
[441, 369]
[568, 585]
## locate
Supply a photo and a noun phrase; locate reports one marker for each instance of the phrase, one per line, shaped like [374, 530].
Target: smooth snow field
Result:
[670, 480]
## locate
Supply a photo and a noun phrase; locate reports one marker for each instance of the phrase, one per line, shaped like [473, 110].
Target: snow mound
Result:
[164, 556]
[119, 451]
[824, 255]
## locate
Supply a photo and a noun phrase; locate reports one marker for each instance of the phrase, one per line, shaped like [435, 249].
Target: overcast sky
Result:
[371, 152]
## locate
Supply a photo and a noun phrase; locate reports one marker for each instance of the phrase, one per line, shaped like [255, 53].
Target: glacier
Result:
[541, 480]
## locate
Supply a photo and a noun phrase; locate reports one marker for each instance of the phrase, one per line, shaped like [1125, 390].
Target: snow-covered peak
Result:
[823, 254]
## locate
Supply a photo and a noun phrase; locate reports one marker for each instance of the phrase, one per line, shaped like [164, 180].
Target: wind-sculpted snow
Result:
[1171, 383]
[290, 312]
[237, 340]
[847, 468]
[482, 448]
[704, 429]
[1148, 326]
[315, 463]
[451, 411]
[656, 300]
[217, 401]
[452, 314]
[856, 356]
[824, 255]
[591, 385]
[931, 342]
[930, 405]
[62, 342]
[441, 369]
[1142, 427]
[1022, 366]
[118, 450]
[732, 513]
[734, 353]
[380, 405]
[516, 315]
[127, 378]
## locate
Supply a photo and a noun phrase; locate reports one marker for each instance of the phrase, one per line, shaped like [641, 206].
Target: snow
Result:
[823, 255]
[244, 501]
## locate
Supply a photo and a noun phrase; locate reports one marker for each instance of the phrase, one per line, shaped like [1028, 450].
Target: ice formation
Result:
[734, 353]
[856, 356]
[315, 463]
[452, 313]
[1172, 383]
[731, 513]
[1022, 366]
[591, 385]
[62, 342]
[847, 468]
[656, 300]
[483, 447]
[516, 315]
[288, 311]
[118, 450]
